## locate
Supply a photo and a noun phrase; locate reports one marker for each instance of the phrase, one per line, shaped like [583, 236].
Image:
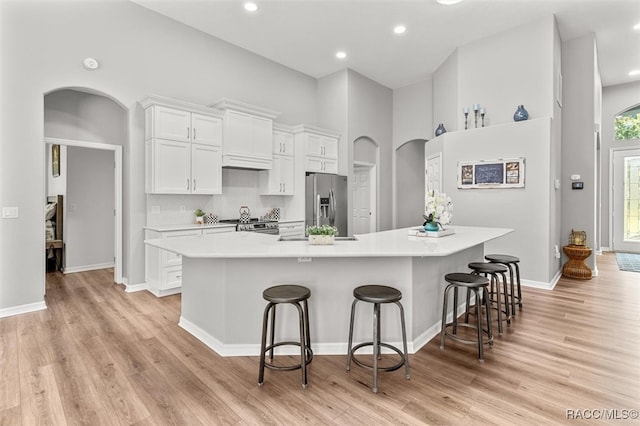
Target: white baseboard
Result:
[68, 270]
[541, 284]
[22, 309]
[132, 288]
[162, 293]
[339, 348]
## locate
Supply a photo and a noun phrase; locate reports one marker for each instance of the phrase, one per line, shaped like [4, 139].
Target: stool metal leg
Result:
[378, 322]
[486, 300]
[376, 346]
[303, 345]
[404, 341]
[350, 344]
[519, 288]
[263, 343]
[273, 330]
[443, 327]
[480, 329]
[455, 310]
[505, 291]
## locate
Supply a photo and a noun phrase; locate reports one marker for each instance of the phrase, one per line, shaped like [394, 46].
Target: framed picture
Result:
[501, 173]
[55, 160]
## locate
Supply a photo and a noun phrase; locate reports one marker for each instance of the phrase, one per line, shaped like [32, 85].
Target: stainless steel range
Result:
[256, 225]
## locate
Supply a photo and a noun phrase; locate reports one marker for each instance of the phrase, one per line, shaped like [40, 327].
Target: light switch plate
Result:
[10, 213]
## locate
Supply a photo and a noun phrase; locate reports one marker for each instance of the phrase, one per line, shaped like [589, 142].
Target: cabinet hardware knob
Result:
[194, 133]
[187, 184]
[187, 133]
[194, 184]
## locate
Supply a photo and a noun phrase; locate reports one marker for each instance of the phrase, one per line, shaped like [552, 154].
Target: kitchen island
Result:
[224, 276]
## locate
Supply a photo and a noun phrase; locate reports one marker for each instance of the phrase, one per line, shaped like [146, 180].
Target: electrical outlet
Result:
[304, 259]
[183, 209]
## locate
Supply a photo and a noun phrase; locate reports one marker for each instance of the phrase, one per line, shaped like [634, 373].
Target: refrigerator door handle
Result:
[317, 210]
[332, 208]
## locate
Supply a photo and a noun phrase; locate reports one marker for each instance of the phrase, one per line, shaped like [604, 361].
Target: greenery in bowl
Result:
[322, 230]
[199, 213]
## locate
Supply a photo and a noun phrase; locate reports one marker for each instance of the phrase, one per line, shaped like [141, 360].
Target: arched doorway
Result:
[364, 185]
[90, 129]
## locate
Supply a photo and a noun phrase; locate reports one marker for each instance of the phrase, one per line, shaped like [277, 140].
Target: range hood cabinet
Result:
[247, 135]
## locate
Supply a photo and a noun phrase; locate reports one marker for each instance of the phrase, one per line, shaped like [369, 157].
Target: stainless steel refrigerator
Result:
[326, 201]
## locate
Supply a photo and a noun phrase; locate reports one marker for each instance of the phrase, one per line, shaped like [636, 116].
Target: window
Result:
[627, 124]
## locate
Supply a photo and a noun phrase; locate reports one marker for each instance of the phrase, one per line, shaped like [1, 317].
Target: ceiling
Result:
[306, 34]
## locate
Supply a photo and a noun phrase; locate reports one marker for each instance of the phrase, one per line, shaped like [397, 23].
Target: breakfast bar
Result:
[224, 276]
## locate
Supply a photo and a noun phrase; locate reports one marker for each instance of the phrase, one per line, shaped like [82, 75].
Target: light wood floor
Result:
[101, 356]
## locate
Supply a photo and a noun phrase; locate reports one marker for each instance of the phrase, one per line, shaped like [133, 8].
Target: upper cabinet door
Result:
[314, 145]
[173, 124]
[171, 167]
[206, 130]
[329, 147]
[239, 133]
[282, 143]
[206, 169]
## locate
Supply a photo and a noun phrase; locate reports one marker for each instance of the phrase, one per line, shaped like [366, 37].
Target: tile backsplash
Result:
[239, 187]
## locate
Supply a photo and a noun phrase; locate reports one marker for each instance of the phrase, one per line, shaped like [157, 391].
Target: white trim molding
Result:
[22, 309]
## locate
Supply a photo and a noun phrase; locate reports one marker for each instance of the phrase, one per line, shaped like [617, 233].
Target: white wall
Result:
[332, 112]
[508, 69]
[409, 188]
[370, 114]
[413, 112]
[526, 210]
[445, 95]
[141, 53]
[580, 77]
[89, 219]
[615, 99]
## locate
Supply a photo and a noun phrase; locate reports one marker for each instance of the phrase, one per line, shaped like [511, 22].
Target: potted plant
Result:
[438, 211]
[199, 216]
[322, 235]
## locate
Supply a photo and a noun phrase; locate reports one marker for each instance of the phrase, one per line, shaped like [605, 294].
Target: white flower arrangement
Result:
[438, 209]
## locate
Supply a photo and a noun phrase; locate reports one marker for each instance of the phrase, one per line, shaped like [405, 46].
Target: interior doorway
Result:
[363, 187]
[626, 200]
[117, 197]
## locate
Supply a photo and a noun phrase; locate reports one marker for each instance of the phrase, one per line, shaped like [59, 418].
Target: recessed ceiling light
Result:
[634, 72]
[250, 6]
[91, 64]
[399, 29]
[448, 2]
[341, 55]
[636, 26]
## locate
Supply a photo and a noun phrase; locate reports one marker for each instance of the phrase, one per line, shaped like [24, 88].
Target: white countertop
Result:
[187, 227]
[394, 243]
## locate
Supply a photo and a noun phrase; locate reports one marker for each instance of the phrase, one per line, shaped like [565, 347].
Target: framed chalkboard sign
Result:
[501, 173]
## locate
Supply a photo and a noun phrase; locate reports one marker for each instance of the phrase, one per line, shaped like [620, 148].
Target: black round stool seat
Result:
[286, 293]
[467, 280]
[377, 294]
[502, 258]
[488, 268]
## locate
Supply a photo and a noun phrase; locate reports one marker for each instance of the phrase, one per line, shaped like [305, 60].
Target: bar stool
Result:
[478, 285]
[494, 270]
[297, 296]
[377, 294]
[510, 262]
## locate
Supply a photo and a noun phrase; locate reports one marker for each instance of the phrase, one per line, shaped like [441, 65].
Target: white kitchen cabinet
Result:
[183, 153]
[174, 167]
[206, 169]
[163, 122]
[321, 148]
[280, 179]
[163, 269]
[168, 166]
[292, 229]
[320, 165]
[247, 135]
[282, 142]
